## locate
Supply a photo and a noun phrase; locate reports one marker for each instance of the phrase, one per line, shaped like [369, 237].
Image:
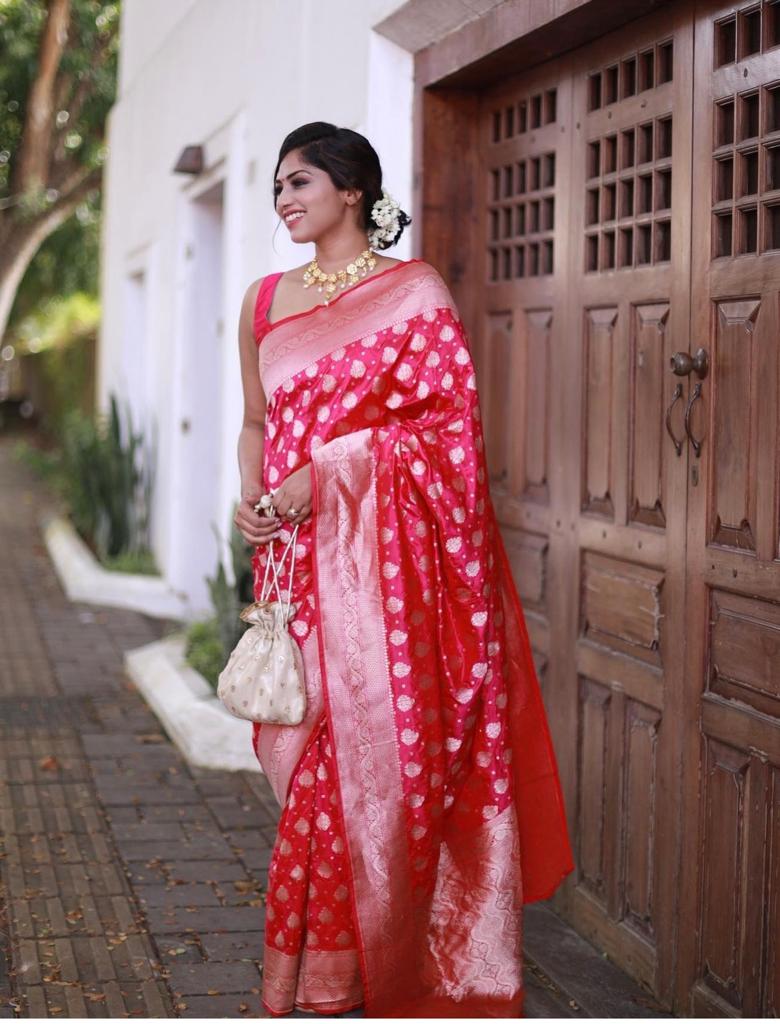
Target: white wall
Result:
[235, 76]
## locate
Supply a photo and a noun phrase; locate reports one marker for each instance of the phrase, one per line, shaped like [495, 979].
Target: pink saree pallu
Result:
[421, 804]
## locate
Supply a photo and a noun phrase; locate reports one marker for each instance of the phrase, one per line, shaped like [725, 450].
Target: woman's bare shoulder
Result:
[250, 298]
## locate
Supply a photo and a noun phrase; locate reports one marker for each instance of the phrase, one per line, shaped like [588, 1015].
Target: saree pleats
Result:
[310, 958]
[424, 783]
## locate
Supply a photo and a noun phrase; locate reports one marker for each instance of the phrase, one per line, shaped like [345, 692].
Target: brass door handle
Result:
[682, 363]
[678, 445]
[696, 394]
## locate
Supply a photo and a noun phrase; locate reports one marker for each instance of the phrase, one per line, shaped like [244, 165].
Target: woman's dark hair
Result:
[350, 161]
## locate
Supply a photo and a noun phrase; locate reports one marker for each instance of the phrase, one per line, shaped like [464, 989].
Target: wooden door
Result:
[585, 229]
[629, 311]
[611, 213]
[730, 881]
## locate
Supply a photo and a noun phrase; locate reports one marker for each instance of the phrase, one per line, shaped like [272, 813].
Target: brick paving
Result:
[131, 884]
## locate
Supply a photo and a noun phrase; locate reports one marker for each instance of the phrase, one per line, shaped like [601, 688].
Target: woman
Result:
[420, 798]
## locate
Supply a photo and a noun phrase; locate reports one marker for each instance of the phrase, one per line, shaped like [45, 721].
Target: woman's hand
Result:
[254, 527]
[294, 492]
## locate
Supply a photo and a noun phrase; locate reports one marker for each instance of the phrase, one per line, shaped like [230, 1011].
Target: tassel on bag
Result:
[263, 680]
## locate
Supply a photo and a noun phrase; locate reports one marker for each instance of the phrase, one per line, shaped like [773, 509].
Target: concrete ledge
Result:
[193, 716]
[84, 579]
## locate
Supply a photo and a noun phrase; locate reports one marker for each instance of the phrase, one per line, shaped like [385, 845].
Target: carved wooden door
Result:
[586, 228]
[628, 313]
[626, 215]
[730, 872]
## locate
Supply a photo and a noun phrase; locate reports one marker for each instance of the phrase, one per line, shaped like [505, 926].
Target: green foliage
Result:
[226, 604]
[88, 64]
[47, 464]
[85, 90]
[203, 650]
[142, 562]
[215, 638]
[56, 323]
[67, 262]
[107, 480]
[57, 345]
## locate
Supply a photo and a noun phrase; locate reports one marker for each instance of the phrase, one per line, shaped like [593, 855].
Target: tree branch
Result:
[38, 125]
[81, 93]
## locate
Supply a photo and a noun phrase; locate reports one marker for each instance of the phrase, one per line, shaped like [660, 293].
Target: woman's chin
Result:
[301, 237]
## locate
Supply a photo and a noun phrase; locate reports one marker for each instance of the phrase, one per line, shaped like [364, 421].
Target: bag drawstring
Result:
[277, 568]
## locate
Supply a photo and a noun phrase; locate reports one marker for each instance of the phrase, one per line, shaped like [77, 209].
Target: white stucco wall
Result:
[179, 251]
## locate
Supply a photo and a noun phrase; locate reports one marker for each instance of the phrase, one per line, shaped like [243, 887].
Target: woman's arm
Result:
[255, 529]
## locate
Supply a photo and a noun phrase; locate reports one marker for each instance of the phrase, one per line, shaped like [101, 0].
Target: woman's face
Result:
[310, 191]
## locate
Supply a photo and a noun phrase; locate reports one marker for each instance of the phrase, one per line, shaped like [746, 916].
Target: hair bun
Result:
[390, 220]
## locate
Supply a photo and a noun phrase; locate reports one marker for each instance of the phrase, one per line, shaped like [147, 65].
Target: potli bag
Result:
[263, 680]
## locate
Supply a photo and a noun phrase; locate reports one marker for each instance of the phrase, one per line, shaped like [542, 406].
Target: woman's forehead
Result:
[291, 164]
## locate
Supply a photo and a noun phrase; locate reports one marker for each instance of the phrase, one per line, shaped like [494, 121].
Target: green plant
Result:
[107, 478]
[142, 562]
[56, 346]
[203, 649]
[224, 598]
[46, 463]
[57, 85]
[209, 643]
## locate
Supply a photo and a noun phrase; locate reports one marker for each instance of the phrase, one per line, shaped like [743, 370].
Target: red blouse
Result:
[265, 294]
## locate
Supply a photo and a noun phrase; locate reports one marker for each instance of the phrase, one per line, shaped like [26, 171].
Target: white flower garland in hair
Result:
[384, 213]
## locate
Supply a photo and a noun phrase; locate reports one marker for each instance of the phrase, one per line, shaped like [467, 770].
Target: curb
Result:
[83, 578]
[194, 717]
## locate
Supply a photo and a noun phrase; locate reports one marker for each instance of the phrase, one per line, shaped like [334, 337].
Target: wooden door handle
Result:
[696, 394]
[678, 445]
[682, 363]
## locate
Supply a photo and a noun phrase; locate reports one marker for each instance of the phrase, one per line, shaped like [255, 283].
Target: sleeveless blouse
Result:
[265, 294]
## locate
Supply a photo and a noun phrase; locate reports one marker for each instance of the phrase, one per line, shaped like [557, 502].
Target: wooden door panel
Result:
[738, 350]
[648, 440]
[732, 752]
[521, 241]
[629, 275]
[584, 228]
[600, 383]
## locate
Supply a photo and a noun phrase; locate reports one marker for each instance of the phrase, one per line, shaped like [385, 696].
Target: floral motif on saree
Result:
[421, 799]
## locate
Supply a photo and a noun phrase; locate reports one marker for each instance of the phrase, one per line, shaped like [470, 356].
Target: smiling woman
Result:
[421, 806]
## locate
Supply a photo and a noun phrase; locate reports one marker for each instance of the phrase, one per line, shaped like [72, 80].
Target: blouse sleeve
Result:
[262, 305]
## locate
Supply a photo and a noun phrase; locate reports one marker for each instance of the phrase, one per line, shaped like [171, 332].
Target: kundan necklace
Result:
[356, 269]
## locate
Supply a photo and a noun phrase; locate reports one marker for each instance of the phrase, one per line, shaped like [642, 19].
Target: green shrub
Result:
[45, 463]
[106, 477]
[210, 642]
[142, 562]
[203, 650]
[56, 344]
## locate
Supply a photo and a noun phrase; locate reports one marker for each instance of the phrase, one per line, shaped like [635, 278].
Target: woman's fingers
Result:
[254, 528]
[257, 528]
[302, 512]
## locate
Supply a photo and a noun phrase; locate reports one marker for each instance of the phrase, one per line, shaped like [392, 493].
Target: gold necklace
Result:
[356, 269]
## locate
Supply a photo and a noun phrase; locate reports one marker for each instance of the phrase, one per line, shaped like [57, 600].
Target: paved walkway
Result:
[131, 884]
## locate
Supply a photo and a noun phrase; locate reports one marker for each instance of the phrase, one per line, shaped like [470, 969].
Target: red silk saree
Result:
[421, 804]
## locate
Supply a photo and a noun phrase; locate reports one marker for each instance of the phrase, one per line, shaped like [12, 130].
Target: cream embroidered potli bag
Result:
[263, 680]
